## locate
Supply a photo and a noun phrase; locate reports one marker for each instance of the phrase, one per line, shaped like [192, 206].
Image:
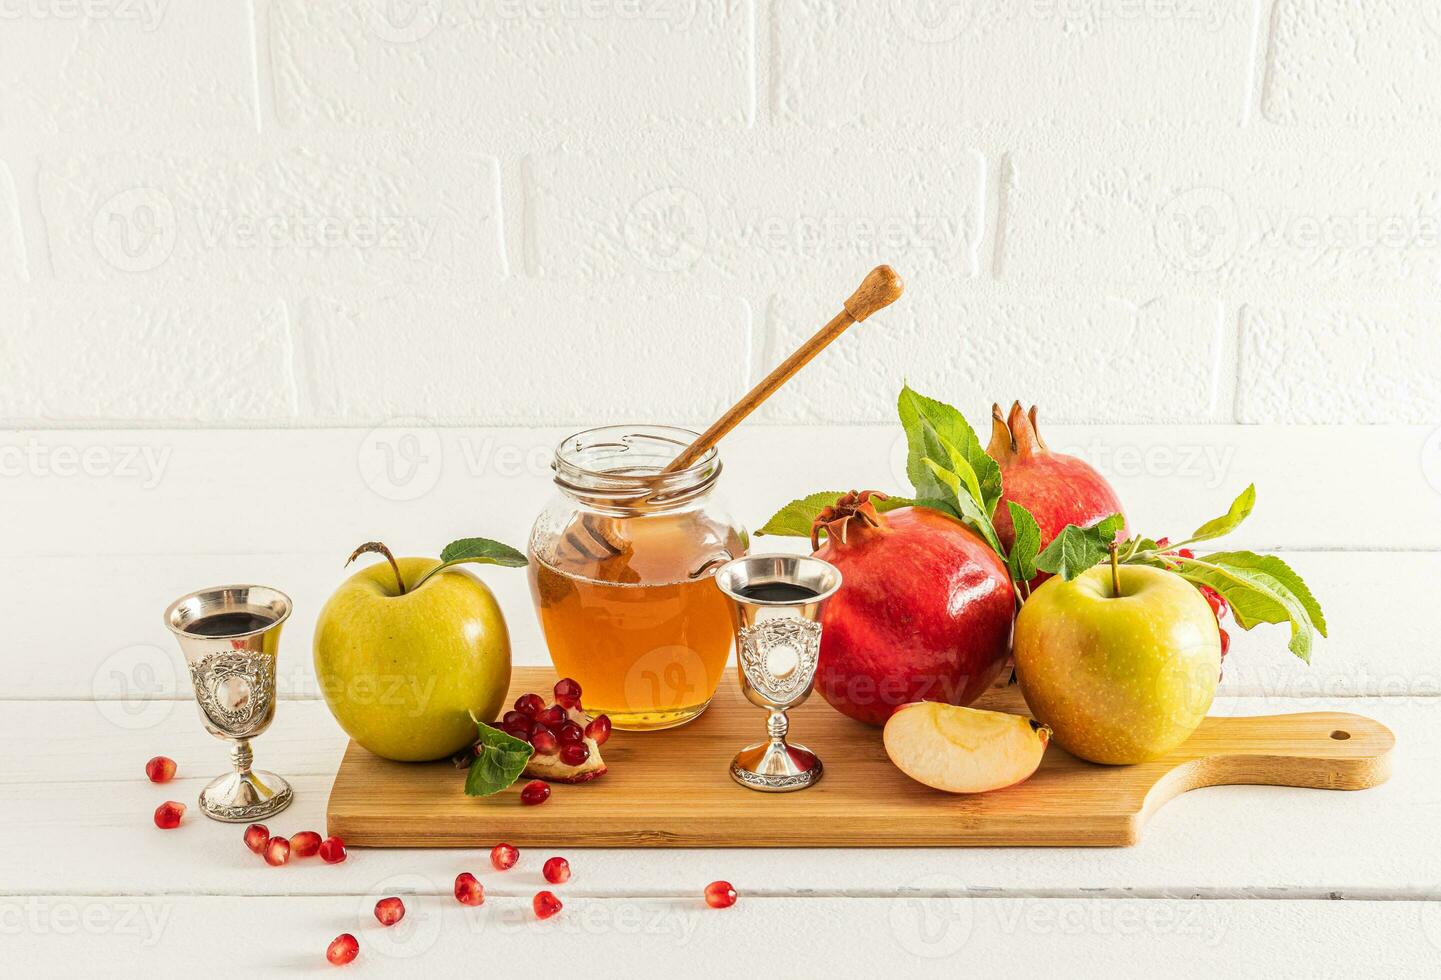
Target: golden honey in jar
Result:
[622, 563]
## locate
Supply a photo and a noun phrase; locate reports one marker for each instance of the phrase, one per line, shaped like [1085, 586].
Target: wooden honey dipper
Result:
[880, 289]
[595, 538]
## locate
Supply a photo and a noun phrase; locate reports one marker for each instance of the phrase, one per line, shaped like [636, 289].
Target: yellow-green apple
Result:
[1121, 678]
[410, 658]
[963, 750]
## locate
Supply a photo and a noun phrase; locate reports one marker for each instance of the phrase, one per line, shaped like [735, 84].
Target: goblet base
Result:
[244, 797]
[776, 767]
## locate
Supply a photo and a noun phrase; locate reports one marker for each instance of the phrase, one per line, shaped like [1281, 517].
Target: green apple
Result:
[408, 672]
[1118, 678]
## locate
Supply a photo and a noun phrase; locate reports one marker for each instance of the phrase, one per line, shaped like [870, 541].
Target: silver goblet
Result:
[230, 635]
[777, 601]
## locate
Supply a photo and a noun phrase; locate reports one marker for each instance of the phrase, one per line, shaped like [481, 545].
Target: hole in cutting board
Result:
[1340, 736]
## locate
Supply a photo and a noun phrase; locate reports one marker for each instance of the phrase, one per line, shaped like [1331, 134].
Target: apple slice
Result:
[964, 750]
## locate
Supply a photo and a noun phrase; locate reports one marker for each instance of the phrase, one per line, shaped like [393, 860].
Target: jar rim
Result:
[581, 475]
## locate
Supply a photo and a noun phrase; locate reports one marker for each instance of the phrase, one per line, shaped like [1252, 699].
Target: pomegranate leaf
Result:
[795, 519]
[962, 503]
[1240, 509]
[1022, 559]
[501, 760]
[1076, 549]
[1260, 589]
[937, 431]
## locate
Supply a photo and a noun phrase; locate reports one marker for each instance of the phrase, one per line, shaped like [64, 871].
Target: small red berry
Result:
[556, 871]
[468, 891]
[277, 851]
[552, 717]
[720, 895]
[389, 911]
[503, 857]
[570, 733]
[168, 814]
[1225, 642]
[574, 753]
[534, 793]
[256, 837]
[1185, 553]
[160, 769]
[529, 705]
[599, 729]
[332, 850]
[544, 742]
[567, 693]
[342, 949]
[305, 844]
[545, 904]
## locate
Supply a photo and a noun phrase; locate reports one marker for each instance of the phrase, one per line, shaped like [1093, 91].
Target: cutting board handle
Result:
[1315, 750]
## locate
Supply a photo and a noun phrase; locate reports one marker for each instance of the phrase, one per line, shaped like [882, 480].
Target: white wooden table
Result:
[98, 536]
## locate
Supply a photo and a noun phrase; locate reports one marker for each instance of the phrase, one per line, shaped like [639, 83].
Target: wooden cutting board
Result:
[673, 788]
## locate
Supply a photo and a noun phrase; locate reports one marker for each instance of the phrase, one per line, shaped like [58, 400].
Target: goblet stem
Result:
[778, 725]
[241, 757]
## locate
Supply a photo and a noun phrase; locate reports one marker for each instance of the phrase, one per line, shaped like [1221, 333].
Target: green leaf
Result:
[936, 431]
[1261, 589]
[960, 500]
[794, 520]
[501, 760]
[1022, 559]
[1240, 510]
[480, 551]
[1076, 549]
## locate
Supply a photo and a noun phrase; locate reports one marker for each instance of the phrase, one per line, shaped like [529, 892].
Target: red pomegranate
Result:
[924, 611]
[1057, 489]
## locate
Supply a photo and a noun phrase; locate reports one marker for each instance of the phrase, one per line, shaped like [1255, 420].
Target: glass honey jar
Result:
[622, 563]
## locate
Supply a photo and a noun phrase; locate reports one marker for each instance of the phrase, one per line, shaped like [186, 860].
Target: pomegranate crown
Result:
[1018, 434]
[836, 518]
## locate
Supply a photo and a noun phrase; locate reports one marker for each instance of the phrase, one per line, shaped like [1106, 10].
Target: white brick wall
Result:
[316, 212]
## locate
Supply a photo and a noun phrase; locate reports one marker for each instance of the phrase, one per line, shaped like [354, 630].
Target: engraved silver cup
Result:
[777, 601]
[230, 635]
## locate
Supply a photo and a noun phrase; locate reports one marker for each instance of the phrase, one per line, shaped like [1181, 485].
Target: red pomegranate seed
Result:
[342, 949]
[305, 844]
[468, 891]
[556, 871]
[516, 719]
[552, 717]
[1225, 642]
[575, 753]
[570, 733]
[529, 705]
[332, 850]
[545, 904]
[567, 693]
[535, 792]
[503, 857]
[599, 729]
[720, 895]
[160, 769]
[544, 742]
[389, 911]
[256, 837]
[277, 851]
[168, 814]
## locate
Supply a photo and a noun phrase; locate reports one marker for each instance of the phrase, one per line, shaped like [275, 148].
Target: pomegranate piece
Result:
[389, 911]
[1215, 600]
[545, 904]
[468, 891]
[570, 733]
[574, 753]
[503, 857]
[530, 705]
[277, 851]
[599, 729]
[305, 844]
[256, 837]
[168, 814]
[534, 793]
[720, 895]
[556, 870]
[160, 769]
[567, 693]
[576, 761]
[342, 949]
[332, 850]
[553, 717]
[544, 742]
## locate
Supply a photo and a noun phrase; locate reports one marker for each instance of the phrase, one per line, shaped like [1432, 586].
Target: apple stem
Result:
[1115, 570]
[378, 548]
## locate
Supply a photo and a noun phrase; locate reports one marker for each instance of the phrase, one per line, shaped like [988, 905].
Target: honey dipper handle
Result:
[880, 289]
